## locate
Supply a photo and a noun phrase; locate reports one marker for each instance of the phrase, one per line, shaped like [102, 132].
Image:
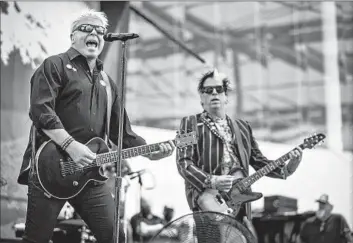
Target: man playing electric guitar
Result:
[225, 148]
[68, 105]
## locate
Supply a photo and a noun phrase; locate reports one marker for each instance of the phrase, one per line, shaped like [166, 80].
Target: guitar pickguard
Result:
[227, 203]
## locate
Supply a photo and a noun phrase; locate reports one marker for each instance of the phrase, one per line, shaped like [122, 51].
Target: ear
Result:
[72, 38]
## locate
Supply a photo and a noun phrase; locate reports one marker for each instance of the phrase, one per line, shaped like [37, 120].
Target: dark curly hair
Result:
[210, 74]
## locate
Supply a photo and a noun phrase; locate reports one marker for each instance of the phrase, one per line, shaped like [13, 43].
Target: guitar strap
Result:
[109, 107]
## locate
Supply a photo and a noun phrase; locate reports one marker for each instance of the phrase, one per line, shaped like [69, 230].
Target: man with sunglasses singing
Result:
[68, 105]
[225, 148]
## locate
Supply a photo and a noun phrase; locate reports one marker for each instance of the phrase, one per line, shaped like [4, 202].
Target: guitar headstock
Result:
[313, 140]
[185, 139]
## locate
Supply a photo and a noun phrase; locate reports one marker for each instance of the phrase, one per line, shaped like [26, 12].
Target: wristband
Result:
[67, 142]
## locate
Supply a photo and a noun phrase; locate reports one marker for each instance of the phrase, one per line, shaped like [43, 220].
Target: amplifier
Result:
[280, 204]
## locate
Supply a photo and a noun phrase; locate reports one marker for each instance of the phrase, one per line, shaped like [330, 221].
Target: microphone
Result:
[136, 174]
[110, 37]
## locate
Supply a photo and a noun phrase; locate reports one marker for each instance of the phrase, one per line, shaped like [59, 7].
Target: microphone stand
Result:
[140, 197]
[140, 183]
[118, 178]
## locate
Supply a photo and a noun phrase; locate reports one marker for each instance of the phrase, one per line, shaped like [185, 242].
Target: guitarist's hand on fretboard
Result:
[295, 158]
[80, 153]
[165, 149]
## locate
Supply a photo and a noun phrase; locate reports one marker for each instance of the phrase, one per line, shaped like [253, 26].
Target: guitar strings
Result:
[71, 167]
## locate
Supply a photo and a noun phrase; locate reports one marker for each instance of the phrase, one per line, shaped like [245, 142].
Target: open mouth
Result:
[214, 100]
[92, 43]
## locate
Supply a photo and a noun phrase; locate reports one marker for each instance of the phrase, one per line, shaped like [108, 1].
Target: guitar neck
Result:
[112, 157]
[248, 181]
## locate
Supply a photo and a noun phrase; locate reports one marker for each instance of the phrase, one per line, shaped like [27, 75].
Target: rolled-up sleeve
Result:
[186, 158]
[45, 86]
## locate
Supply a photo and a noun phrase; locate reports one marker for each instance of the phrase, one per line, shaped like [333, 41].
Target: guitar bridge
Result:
[62, 170]
[63, 173]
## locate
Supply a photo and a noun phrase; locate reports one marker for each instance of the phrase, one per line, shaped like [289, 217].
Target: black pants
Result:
[94, 204]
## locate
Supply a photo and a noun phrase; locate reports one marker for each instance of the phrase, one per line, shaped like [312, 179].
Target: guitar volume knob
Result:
[75, 183]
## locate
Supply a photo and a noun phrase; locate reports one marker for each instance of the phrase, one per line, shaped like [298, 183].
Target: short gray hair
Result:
[90, 13]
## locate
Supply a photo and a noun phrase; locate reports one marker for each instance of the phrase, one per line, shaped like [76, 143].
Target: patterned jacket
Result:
[196, 162]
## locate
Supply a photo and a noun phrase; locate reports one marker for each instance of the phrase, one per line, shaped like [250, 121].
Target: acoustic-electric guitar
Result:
[62, 178]
[240, 193]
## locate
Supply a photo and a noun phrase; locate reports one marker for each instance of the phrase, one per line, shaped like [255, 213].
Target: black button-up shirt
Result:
[65, 94]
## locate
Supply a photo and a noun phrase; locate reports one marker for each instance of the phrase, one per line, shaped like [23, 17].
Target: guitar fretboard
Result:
[248, 181]
[112, 157]
[182, 140]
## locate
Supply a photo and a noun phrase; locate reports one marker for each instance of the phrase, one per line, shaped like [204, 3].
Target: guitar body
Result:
[62, 178]
[227, 203]
[240, 193]
[49, 163]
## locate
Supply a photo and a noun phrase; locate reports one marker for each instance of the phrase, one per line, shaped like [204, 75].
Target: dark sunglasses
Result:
[209, 89]
[88, 28]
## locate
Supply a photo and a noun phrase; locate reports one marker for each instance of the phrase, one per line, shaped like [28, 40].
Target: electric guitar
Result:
[62, 178]
[231, 202]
